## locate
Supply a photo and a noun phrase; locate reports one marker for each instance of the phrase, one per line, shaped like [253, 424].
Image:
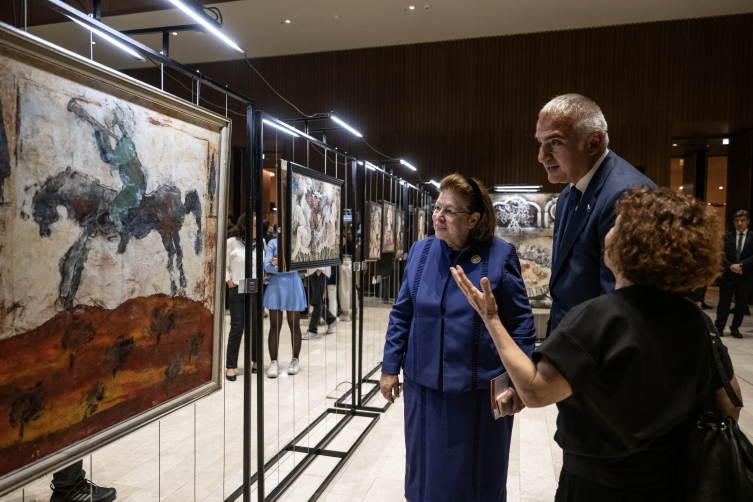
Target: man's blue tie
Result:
[572, 203]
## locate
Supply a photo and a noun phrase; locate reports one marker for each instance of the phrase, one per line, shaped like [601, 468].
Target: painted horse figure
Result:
[89, 203]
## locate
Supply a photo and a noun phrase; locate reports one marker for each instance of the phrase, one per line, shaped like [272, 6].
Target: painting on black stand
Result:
[311, 215]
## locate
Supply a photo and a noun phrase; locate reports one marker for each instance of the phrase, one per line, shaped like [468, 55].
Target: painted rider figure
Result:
[124, 157]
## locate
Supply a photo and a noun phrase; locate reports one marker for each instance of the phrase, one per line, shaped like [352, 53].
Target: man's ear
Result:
[595, 140]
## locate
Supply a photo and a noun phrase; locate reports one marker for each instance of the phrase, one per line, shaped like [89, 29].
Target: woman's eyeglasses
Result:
[447, 212]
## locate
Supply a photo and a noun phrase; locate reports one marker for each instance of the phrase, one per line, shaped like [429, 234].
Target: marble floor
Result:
[195, 453]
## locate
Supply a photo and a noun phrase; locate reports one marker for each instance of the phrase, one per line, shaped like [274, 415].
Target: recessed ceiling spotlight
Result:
[175, 33]
[287, 21]
[427, 6]
[337, 16]
[721, 188]
[674, 144]
[725, 141]
[94, 43]
[411, 7]
[680, 188]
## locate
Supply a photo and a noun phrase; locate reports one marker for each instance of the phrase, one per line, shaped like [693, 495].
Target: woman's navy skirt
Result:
[456, 451]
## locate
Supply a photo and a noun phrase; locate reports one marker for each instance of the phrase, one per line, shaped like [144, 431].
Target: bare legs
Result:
[275, 325]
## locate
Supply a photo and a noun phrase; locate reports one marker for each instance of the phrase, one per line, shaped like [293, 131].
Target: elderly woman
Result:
[455, 449]
[631, 369]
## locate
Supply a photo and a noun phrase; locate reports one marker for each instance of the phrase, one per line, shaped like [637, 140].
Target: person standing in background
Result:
[573, 139]
[317, 289]
[284, 293]
[235, 272]
[737, 278]
[346, 274]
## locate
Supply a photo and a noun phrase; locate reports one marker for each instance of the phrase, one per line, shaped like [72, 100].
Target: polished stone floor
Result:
[196, 452]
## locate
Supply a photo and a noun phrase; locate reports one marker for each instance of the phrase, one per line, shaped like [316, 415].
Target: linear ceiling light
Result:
[518, 188]
[109, 39]
[434, 183]
[192, 12]
[346, 126]
[286, 129]
[369, 165]
[407, 165]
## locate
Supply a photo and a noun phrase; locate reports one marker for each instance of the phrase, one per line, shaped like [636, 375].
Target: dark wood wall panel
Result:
[472, 105]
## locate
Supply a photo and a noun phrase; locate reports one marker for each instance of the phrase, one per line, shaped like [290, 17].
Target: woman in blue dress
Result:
[284, 293]
[455, 450]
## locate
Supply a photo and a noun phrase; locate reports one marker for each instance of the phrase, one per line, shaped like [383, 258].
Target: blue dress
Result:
[455, 450]
[285, 290]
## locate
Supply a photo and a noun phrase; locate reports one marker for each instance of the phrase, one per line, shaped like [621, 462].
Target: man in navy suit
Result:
[573, 136]
[737, 278]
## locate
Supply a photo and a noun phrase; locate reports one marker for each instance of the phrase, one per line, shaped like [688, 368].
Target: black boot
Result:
[84, 491]
[734, 331]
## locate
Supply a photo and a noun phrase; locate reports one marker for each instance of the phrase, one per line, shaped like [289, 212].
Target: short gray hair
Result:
[588, 115]
[742, 212]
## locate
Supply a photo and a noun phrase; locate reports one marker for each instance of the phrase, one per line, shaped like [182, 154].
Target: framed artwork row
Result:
[310, 205]
[111, 279]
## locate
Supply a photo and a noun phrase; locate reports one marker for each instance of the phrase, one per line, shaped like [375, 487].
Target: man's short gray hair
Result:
[588, 116]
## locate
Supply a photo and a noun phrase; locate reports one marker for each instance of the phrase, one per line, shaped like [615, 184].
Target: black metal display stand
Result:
[254, 328]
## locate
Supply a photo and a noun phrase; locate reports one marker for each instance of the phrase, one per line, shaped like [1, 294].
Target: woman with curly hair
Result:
[630, 369]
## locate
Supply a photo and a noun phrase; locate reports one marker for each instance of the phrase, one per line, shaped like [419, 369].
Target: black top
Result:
[639, 364]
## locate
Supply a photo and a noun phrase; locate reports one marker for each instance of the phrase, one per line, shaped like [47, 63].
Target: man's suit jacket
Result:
[578, 270]
[730, 255]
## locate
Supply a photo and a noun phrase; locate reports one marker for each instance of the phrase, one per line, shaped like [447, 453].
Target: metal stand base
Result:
[311, 453]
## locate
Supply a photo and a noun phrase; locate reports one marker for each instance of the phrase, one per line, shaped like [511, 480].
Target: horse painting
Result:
[88, 203]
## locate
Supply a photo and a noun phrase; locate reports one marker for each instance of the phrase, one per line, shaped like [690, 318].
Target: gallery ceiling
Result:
[261, 29]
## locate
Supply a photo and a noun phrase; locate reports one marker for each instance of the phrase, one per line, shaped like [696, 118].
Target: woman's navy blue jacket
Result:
[454, 352]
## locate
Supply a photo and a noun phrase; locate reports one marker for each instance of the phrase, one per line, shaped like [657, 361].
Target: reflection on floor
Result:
[161, 461]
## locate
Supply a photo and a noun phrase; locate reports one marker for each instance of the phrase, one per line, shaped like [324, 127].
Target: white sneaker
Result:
[310, 336]
[294, 367]
[345, 318]
[273, 370]
[331, 327]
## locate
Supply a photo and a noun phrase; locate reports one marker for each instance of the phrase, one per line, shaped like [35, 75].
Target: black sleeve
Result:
[572, 348]
[726, 363]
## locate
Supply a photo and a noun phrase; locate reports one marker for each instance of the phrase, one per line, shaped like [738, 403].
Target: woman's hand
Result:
[517, 403]
[230, 283]
[273, 261]
[389, 384]
[483, 302]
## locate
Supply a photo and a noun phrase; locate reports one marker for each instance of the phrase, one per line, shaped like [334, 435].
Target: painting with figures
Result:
[312, 218]
[110, 194]
[388, 227]
[373, 231]
[399, 234]
[526, 220]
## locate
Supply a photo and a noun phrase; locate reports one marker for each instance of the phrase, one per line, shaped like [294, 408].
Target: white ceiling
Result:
[325, 25]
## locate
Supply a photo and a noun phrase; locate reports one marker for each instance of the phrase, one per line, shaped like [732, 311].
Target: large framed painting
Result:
[111, 263]
[372, 235]
[526, 220]
[400, 235]
[312, 218]
[419, 224]
[388, 227]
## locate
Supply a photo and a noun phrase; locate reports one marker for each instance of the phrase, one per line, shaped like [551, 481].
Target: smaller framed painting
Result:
[419, 224]
[312, 216]
[388, 227]
[399, 234]
[372, 236]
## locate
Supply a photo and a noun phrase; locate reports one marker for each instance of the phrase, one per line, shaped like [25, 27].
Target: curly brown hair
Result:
[456, 183]
[666, 240]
